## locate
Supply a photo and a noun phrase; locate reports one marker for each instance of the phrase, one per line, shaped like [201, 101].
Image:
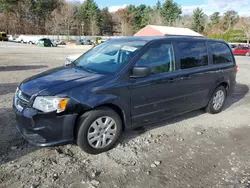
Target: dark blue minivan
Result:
[122, 84]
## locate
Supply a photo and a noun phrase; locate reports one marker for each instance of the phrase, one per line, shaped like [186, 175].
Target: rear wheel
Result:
[217, 100]
[98, 130]
[247, 54]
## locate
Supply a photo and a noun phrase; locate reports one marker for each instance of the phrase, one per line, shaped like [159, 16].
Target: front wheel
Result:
[217, 100]
[98, 130]
[247, 54]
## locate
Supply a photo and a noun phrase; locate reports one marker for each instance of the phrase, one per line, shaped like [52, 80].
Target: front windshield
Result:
[108, 57]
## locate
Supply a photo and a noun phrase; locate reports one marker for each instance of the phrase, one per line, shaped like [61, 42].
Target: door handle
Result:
[172, 80]
[186, 77]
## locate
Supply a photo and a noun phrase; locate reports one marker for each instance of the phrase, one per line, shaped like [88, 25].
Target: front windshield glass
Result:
[108, 57]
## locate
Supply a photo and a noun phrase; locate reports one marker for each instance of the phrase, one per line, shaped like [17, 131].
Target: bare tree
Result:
[124, 21]
[94, 28]
[63, 20]
[244, 25]
[184, 21]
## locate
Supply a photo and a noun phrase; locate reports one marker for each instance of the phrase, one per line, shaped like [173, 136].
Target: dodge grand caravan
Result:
[122, 84]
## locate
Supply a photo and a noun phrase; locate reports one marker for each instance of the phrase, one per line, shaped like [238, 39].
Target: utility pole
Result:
[82, 34]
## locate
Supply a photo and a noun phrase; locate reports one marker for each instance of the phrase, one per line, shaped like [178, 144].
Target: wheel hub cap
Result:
[218, 99]
[102, 132]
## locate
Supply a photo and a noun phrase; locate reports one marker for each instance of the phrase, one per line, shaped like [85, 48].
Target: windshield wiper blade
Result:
[85, 69]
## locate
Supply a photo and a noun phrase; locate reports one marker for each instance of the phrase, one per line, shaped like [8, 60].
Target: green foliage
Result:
[230, 36]
[89, 15]
[158, 5]
[215, 18]
[8, 5]
[140, 16]
[43, 8]
[88, 10]
[170, 12]
[229, 19]
[146, 16]
[198, 20]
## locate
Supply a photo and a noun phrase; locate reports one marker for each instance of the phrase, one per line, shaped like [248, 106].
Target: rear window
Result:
[192, 54]
[4, 34]
[221, 53]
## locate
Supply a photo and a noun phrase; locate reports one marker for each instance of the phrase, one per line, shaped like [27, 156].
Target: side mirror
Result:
[140, 72]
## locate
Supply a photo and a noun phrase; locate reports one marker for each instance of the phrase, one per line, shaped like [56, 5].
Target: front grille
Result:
[22, 103]
[23, 96]
[21, 100]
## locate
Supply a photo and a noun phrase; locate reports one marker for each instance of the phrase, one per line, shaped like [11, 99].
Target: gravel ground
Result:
[193, 150]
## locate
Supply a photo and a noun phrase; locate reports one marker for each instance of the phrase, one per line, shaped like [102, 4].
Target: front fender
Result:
[87, 100]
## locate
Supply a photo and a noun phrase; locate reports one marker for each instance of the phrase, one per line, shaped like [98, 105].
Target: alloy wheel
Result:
[102, 132]
[218, 99]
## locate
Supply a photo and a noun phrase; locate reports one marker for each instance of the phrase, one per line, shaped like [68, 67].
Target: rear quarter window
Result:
[221, 53]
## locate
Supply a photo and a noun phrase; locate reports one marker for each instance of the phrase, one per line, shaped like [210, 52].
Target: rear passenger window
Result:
[160, 58]
[192, 54]
[221, 53]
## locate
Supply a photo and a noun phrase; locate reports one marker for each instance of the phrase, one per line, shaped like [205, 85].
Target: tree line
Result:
[59, 17]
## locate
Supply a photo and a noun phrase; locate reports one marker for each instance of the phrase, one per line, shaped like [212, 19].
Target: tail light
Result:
[236, 68]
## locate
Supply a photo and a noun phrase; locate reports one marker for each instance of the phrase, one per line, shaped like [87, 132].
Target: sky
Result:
[208, 6]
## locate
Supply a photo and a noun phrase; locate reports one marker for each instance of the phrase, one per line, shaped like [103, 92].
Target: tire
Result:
[247, 54]
[211, 107]
[89, 120]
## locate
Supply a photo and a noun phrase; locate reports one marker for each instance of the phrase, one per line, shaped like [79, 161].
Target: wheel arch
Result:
[223, 83]
[112, 106]
[118, 110]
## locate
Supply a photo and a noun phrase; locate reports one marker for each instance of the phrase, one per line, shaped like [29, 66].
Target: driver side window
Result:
[160, 58]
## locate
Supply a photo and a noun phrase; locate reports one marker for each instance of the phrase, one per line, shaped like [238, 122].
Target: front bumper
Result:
[45, 129]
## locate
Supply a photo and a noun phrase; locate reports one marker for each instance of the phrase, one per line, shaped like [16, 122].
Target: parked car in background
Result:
[3, 36]
[60, 42]
[13, 38]
[27, 39]
[99, 41]
[84, 42]
[233, 46]
[123, 84]
[242, 50]
[45, 42]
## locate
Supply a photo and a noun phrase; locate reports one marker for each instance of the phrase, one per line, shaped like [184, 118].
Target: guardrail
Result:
[75, 37]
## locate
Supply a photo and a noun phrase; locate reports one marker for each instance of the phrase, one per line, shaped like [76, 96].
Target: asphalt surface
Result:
[193, 150]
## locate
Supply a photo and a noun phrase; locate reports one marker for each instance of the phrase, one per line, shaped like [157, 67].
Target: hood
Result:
[57, 80]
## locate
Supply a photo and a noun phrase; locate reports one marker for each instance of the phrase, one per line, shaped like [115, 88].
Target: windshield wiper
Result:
[86, 69]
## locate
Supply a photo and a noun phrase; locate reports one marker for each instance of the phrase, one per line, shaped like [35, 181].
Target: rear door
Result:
[224, 63]
[196, 72]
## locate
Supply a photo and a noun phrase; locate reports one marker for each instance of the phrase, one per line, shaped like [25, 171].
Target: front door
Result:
[153, 97]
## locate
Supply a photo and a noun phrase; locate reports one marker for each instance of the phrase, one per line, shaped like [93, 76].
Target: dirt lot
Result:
[194, 150]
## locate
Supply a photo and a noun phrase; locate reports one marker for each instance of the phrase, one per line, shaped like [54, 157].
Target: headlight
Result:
[50, 104]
